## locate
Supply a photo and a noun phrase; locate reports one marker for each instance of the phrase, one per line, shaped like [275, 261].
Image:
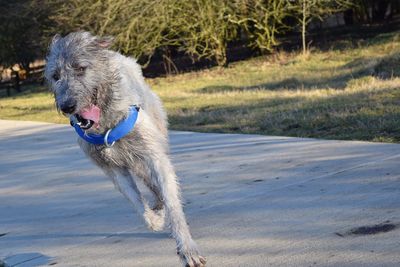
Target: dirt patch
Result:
[384, 227]
[372, 230]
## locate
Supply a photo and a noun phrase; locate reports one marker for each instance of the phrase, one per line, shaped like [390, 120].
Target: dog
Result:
[104, 93]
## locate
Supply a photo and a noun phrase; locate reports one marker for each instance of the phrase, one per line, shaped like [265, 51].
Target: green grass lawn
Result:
[343, 93]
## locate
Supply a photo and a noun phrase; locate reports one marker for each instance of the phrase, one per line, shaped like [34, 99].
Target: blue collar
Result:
[112, 135]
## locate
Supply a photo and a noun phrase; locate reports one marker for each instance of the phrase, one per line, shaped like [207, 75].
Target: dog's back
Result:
[131, 75]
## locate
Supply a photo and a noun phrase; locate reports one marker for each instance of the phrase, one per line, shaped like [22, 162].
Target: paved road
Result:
[250, 201]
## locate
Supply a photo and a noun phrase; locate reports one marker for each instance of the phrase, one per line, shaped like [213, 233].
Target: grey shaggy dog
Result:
[82, 72]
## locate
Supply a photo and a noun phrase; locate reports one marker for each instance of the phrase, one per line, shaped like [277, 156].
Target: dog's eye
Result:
[80, 70]
[56, 76]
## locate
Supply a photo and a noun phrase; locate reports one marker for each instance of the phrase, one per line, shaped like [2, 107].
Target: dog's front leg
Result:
[126, 185]
[167, 180]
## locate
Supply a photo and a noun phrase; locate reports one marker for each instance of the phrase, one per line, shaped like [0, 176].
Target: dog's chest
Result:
[120, 155]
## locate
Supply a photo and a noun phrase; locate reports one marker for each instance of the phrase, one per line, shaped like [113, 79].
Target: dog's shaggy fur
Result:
[82, 72]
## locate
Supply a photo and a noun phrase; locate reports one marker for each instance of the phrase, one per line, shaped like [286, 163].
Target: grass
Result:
[350, 91]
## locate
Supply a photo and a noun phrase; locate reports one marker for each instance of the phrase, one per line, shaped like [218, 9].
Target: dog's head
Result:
[76, 68]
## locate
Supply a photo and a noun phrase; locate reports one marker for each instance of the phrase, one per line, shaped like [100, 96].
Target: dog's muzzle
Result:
[84, 124]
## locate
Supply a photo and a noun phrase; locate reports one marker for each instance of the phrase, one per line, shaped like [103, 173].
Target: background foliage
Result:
[200, 29]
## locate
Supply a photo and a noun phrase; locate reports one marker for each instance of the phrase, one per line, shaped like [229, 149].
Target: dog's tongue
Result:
[91, 113]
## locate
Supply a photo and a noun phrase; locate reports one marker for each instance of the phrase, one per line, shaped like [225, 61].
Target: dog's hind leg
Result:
[154, 188]
[126, 185]
[158, 205]
[165, 174]
[142, 171]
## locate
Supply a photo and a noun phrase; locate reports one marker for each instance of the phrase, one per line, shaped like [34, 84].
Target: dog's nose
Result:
[68, 107]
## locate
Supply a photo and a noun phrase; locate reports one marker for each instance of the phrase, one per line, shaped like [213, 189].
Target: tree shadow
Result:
[27, 259]
[342, 116]
[338, 82]
[384, 68]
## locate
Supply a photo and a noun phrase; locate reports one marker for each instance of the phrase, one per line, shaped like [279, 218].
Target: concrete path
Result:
[250, 201]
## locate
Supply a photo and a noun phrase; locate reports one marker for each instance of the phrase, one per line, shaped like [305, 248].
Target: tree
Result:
[370, 11]
[205, 29]
[139, 27]
[304, 11]
[261, 20]
[21, 26]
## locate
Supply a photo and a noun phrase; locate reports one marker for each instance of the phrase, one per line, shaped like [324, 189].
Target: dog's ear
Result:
[105, 41]
[55, 39]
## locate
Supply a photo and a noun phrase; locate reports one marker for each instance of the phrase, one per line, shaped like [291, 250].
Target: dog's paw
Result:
[192, 259]
[155, 220]
[195, 261]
